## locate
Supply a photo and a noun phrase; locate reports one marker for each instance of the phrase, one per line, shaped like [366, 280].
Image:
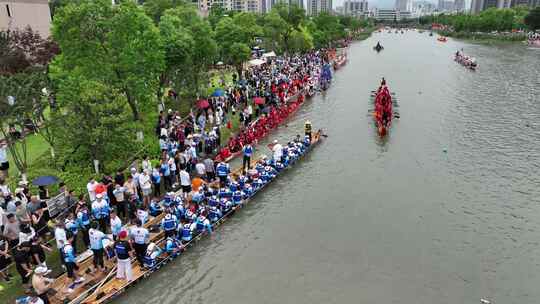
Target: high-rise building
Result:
[314, 7]
[520, 2]
[476, 6]
[459, 5]
[404, 5]
[446, 6]
[355, 7]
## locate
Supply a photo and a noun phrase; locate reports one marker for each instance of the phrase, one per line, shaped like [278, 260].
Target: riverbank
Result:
[479, 37]
[365, 34]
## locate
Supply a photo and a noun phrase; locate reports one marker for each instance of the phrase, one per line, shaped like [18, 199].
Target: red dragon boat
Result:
[383, 109]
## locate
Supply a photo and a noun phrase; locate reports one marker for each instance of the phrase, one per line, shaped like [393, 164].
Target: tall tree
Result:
[94, 125]
[156, 8]
[121, 48]
[20, 97]
[198, 48]
[532, 20]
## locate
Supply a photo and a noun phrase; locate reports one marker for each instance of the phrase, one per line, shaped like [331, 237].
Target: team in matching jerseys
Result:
[184, 221]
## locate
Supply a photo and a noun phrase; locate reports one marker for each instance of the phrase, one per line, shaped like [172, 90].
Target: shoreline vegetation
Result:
[492, 25]
[485, 37]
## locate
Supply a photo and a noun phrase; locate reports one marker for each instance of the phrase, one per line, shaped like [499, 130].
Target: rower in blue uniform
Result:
[152, 252]
[223, 170]
[214, 214]
[213, 201]
[185, 233]
[202, 223]
[155, 208]
[172, 246]
[248, 191]
[237, 197]
[169, 224]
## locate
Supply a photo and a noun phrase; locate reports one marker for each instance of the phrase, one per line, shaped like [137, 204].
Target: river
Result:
[446, 209]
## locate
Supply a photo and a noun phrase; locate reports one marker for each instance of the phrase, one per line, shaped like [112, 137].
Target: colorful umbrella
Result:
[258, 100]
[202, 104]
[218, 93]
[45, 180]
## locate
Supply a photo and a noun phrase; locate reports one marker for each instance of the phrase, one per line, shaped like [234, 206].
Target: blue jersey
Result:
[169, 222]
[83, 218]
[237, 197]
[72, 226]
[212, 201]
[214, 214]
[171, 245]
[222, 169]
[155, 208]
[69, 254]
[248, 150]
[186, 232]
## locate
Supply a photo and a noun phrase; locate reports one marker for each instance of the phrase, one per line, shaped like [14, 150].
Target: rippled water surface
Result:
[364, 220]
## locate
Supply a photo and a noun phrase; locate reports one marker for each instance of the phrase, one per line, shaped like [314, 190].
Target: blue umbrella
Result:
[218, 93]
[45, 180]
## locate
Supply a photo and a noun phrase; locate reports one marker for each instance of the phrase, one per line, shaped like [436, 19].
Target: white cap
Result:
[275, 141]
[40, 270]
[99, 195]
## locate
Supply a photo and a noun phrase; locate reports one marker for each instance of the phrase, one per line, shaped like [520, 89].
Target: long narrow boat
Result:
[466, 61]
[295, 98]
[384, 105]
[112, 287]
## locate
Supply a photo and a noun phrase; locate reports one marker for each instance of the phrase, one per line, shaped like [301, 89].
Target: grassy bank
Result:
[485, 37]
[364, 34]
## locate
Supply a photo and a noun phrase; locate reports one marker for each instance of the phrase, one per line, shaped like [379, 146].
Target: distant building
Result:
[421, 8]
[19, 14]
[404, 5]
[446, 6]
[355, 7]
[389, 15]
[459, 5]
[315, 7]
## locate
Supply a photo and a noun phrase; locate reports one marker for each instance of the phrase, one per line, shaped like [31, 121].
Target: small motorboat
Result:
[442, 39]
[430, 34]
[378, 48]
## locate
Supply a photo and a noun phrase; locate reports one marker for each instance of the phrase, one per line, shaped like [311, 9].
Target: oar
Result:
[99, 286]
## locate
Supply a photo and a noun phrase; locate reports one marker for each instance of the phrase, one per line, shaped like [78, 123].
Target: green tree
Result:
[275, 30]
[156, 8]
[239, 54]
[121, 48]
[301, 41]
[198, 49]
[19, 104]
[532, 20]
[93, 123]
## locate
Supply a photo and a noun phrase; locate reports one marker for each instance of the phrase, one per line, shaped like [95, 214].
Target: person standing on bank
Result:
[307, 128]
[140, 237]
[248, 152]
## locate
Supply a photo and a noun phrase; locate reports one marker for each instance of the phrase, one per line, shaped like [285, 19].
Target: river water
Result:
[446, 209]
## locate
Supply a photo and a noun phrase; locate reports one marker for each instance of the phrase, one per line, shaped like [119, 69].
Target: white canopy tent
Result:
[256, 62]
[269, 54]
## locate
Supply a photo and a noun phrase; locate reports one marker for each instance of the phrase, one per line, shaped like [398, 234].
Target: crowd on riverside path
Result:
[186, 162]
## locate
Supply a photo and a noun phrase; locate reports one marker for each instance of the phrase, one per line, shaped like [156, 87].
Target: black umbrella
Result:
[45, 180]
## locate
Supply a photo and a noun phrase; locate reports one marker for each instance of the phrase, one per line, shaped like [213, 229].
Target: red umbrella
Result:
[258, 100]
[202, 104]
